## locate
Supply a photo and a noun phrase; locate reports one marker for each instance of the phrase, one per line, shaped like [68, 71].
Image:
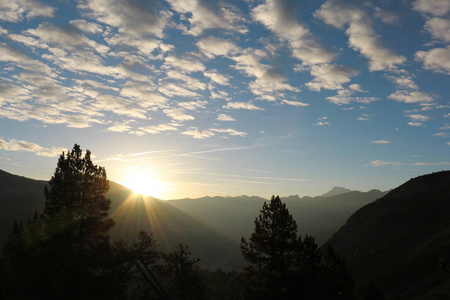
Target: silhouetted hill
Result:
[397, 241]
[170, 226]
[20, 197]
[211, 226]
[337, 190]
[318, 216]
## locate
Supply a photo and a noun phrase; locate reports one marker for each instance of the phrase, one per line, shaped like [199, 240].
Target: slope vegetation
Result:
[397, 241]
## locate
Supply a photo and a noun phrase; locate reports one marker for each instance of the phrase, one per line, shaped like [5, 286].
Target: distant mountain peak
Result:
[337, 190]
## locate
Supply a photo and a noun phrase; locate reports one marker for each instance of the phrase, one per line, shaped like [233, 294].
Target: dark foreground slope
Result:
[20, 197]
[397, 241]
[170, 226]
[316, 216]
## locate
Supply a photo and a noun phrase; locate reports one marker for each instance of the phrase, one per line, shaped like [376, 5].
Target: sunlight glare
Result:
[145, 183]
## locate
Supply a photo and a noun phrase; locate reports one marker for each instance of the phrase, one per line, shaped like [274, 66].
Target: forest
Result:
[66, 252]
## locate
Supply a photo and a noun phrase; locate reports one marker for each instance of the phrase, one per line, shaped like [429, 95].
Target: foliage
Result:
[285, 266]
[65, 252]
[159, 275]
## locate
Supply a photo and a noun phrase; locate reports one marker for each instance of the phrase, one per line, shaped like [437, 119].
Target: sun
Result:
[145, 183]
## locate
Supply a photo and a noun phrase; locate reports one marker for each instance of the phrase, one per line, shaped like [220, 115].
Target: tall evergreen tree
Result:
[271, 251]
[65, 253]
[285, 266]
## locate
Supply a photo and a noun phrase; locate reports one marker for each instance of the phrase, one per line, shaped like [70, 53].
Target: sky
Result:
[188, 98]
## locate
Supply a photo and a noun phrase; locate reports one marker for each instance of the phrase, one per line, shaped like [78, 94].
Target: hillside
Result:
[20, 197]
[211, 226]
[318, 216]
[397, 241]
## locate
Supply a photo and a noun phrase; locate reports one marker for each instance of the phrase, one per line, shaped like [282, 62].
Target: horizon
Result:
[225, 98]
[237, 196]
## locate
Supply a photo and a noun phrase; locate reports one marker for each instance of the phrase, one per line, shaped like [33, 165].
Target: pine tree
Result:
[65, 252]
[285, 266]
[182, 272]
[271, 251]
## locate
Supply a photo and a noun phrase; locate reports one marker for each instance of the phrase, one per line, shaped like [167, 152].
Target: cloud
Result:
[439, 28]
[404, 82]
[417, 117]
[322, 122]
[434, 7]
[225, 118]
[130, 17]
[330, 77]
[23, 61]
[171, 89]
[119, 106]
[410, 97]
[216, 77]
[432, 164]
[269, 79]
[193, 105]
[437, 59]
[381, 142]
[364, 117]
[119, 127]
[213, 46]
[379, 163]
[17, 10]
[17, 145]
[345, 97]
[88, 27]
[157, 128]
[294, 103]
[65, 38]
[204, 15]
[242, 105]
[186, 65]
[442, 134]
[277, 16]
[178, 114]
[362, 37]
[230, 132]
[198, 133]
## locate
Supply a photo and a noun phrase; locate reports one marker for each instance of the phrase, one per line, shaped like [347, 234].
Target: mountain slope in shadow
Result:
[397, 241]
[318, 216]
[20, 197]
[170, 226]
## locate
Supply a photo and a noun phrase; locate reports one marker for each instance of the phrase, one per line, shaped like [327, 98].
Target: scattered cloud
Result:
[322, 122]
[198, 133]
[434, 7]
[203, 15]
[17, 10]
[330, 77]
[295, 103]
[278, 17]
[437, 59]
[242, 105]
[224, 117]
[417, 117]
[381, 142]
[17, 145]
[379, 163]
[362, 37]
[410, 96]
[431, 164]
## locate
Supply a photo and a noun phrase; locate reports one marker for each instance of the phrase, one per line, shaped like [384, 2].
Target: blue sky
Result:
[195, 98]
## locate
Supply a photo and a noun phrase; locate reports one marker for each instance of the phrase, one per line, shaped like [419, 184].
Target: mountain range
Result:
[396, 243]
[211, 226]
[391, 240]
